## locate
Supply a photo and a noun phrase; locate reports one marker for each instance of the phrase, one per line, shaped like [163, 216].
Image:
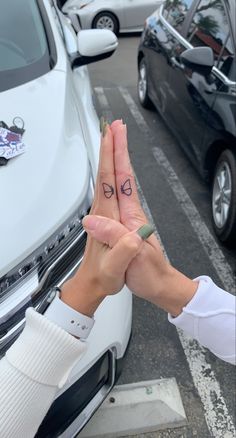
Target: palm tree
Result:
[208, 24]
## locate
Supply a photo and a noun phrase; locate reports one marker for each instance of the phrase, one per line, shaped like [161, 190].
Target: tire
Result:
[106, 20]
[143, 85]
[3, 161]
[224, 198]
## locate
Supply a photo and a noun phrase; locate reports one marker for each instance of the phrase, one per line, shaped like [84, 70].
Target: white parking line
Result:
[208, 387]
[218, 419]
[103, 102]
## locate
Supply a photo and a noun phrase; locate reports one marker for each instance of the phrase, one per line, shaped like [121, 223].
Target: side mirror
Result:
[94, 45]
[199, 59]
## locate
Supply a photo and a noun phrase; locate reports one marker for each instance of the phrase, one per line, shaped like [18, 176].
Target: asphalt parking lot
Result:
[178, 202]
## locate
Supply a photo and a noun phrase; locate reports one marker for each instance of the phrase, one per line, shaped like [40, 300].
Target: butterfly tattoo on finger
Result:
[108, 190]
[126, 188]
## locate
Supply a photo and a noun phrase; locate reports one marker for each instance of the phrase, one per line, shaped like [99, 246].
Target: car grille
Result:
[70, 412]
[53, 270]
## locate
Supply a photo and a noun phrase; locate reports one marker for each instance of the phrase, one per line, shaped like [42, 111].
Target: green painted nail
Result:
[103, 125]
[145, 231]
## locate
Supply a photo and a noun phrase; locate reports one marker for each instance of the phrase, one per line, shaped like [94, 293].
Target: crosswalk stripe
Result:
[218, 419]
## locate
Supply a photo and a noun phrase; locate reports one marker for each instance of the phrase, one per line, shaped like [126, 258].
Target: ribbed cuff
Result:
[44, 352]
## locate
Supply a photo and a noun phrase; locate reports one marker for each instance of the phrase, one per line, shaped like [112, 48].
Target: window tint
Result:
[23, 43]
[175, 12]
[210, 27]
[226, 60]
[22, 37]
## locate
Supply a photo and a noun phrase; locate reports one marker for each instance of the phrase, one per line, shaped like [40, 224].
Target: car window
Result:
[210, 27]
[226, 61]
[23, 42]
[175, 11]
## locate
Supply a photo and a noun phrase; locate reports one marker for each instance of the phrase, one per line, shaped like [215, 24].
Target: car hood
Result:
[42, 187]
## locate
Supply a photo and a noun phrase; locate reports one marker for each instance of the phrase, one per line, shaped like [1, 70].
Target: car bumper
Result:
[95, 374]
[71, 411]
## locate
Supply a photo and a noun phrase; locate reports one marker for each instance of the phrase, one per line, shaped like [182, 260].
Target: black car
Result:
[187, 69]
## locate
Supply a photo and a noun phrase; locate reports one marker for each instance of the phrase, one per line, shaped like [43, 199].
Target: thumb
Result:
[122, 254]
[110, 231]
[125, 244]
[103, 229]
[126, 249]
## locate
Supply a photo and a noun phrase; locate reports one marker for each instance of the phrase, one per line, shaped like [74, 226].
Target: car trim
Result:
[11, 309]
[226, 81]
[49, 34]
[173, 31]
[13, 331]
[77, 425]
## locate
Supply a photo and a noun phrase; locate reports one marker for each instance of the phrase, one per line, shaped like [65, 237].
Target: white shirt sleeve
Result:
[210, 317]
[31, 372]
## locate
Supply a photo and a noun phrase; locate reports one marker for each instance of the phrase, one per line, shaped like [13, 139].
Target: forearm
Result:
[82, 295]
[174, 291]
[36, 365]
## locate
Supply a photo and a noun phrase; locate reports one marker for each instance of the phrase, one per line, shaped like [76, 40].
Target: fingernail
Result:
[89, 222]
[103, 126]
[145, 231]
[101, 123]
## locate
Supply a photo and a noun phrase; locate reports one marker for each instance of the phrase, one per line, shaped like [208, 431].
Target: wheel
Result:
[106, 20]
[3, 161]
[224, 198]
[143, 85]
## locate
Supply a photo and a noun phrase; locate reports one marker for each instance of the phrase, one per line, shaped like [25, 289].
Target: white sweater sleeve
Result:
[34, 367]
[210, 317]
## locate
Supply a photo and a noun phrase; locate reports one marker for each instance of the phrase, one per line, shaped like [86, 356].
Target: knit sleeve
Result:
[33, 369]
[210, 318]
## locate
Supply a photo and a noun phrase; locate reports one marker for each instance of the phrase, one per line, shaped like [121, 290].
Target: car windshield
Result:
[23, 43]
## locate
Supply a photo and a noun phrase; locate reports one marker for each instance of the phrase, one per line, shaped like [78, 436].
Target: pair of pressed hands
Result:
[115, 253]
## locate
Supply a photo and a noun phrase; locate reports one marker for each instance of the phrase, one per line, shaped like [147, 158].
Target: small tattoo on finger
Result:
[108, 190]
[126, 188]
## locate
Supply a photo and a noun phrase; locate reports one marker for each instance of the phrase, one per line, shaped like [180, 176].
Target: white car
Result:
[45, 95]
[116, 15]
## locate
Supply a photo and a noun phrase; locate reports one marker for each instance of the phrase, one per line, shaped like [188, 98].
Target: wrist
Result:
[175, 291]
[82, 294]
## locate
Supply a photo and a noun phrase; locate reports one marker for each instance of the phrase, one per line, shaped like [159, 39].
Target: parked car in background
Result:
[116, 15]
[187, 69]
[46, 101]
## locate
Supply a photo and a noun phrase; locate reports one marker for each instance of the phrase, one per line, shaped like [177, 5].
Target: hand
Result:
[102, 271]
[149, 275]
[150, 265]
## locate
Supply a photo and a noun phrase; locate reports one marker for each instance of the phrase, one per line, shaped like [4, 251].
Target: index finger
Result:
[105, 199]
[131, 213]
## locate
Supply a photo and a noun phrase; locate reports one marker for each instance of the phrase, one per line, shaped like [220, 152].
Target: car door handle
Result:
[176, 64]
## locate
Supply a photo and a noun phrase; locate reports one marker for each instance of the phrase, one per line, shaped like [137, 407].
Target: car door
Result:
[164, 28]
[222, 120]
[136, 11]
[194, 94]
